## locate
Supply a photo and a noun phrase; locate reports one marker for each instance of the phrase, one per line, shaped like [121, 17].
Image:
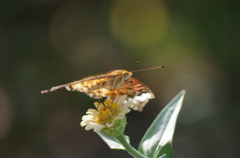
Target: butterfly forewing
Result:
[109, 80]
[90, 85]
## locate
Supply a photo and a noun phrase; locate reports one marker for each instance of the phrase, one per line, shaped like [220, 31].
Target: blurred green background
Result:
[44, 43]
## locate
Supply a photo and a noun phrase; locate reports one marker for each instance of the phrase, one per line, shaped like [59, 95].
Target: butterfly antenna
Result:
[134, 65]
[163, 66]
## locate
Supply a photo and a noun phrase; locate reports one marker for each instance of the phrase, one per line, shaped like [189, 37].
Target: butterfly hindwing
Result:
[137, 92]
[141, 96]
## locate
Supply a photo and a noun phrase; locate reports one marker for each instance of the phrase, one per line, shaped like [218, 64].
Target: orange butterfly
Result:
[110, 85]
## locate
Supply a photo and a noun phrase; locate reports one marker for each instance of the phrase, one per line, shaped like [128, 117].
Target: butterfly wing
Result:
[137, 92]
[85, 85]
[111, 85]
[108, 80]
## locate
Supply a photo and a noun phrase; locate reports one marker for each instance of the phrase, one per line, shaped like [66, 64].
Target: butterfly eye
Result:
[127, 75]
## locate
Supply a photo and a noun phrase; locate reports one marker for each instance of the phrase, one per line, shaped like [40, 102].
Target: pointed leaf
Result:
[158, 138]
[163, 156]
[112, 142]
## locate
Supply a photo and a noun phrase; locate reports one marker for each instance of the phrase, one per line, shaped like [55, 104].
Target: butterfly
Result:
[112, 84]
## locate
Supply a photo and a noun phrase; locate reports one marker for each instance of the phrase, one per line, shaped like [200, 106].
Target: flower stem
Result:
[129, 148]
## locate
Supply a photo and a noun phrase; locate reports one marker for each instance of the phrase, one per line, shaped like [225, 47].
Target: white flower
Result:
[107, 113]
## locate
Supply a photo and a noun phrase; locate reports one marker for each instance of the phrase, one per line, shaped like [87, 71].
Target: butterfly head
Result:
[124, 73]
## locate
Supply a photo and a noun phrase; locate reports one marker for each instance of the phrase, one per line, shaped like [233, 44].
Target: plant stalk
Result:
[131, 150]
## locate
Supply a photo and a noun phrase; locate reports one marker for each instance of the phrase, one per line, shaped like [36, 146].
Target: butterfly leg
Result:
[128, 86]
[113, 94]
[98, 94]
[113, 90]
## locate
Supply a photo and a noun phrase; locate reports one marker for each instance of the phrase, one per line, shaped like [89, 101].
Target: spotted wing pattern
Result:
[140, 94]
[111, 84]
[108, 80]
[137, 92]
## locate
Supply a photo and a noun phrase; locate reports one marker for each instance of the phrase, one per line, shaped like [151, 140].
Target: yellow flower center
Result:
[108, 112]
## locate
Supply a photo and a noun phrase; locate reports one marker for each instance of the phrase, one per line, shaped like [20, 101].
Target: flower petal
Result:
[98, 128]
[107, 114]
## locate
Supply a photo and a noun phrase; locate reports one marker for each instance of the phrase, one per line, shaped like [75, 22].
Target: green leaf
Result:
[163, 156]
[158, 138]
[112, 142]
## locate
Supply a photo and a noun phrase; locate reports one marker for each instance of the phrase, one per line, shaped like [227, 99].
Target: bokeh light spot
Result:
[138, 23]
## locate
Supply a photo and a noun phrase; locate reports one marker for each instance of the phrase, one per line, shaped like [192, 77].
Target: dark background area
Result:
[44, 43]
